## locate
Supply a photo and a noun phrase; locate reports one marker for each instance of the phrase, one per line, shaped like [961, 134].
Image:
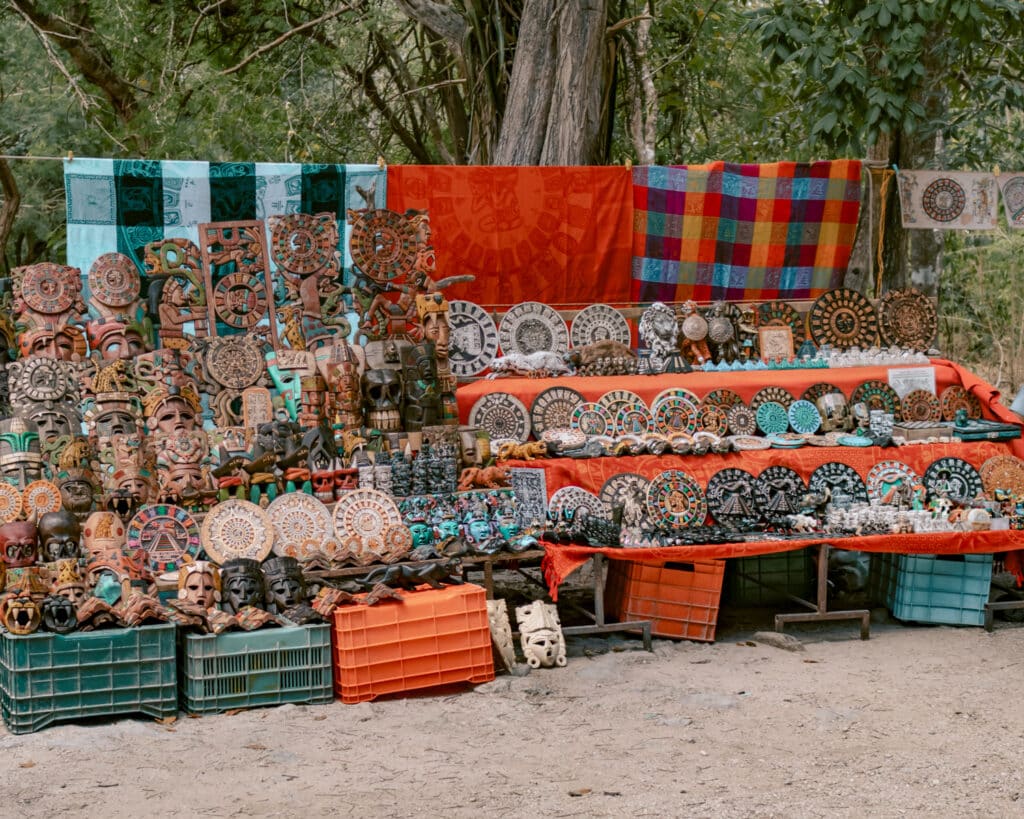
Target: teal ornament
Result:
[108, 588]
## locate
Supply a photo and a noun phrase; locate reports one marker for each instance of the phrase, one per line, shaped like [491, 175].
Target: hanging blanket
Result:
[121, 205]
[782, 230]
[551, 234]
[948, 200]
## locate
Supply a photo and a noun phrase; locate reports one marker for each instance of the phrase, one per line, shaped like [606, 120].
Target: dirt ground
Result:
[916, 721]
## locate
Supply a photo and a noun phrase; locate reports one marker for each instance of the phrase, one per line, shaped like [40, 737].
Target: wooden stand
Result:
[819, 611]
[600, 626]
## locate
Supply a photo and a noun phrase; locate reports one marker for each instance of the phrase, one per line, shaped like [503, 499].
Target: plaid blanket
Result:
[121, 204]
[781, 230]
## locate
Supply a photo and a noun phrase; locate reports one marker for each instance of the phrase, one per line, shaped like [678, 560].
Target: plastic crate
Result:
[432, 637]
[248, 669]
[771, 579]
[882, 578]
[47, 678]
[680, 599]
[942, 589]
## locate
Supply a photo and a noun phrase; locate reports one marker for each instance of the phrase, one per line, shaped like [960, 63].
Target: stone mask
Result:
[286, 586]
[382, 393]
[19, 541]
[59, 536]
[242, 585]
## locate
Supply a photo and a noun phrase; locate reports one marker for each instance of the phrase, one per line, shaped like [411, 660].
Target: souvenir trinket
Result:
[566, 502]
[633, 419]
[955, 398]
[835, 412]
[877, 395]
[619, 488]
[285, 583]
[804, 417]
[199, 582]
[724, 398]
[841, 481]
[176, 294]
[674, 414]
[675, 499]
[114, 288]
[19, 613]
[105, 532]
[890, 482]
[19, 544]
[591, 419]
[953, 478]
[237, 528]
[711, 418]
[60, 536]
[540, 635]
[776, 394]
[553, 409]
[58, 614]
[10, 502]
[816, 391]
[778, 490]
[302, 526]
[694, 327]
[920, 405]
[167, 534]
[772, 418]
[659, 332]
[781, 314]
[242, 584]
[1005, 472]
[530, 327]
[382, 395]
[742, 420]
[361, 519]
[502, 416]
[474, 339]
[599, 322]
[731, 498]
[843, 318]
[421, 406]
[907, 318]
[21, 459]
[69, 582]
[39, 498]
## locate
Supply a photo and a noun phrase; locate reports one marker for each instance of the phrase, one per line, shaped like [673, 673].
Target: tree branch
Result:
[443, 20]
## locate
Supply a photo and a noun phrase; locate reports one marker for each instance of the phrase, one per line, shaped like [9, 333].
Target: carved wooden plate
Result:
[237, 528]
[843, 318]
[10, 502]
[907, 318]
[361, 518]
[1003, 472]
[920, 405]
[954, 398]
[302, 526]
[114, 280]
[167, 533]
[675, 499]
[39, 498]
[776, 394]
[781, 314]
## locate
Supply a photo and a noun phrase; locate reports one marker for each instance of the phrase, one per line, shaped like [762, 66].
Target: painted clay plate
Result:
[730, 496]
[954, 398]
[50, 288]
[804, 417]
[712, 418]
[618, 487]
[674, 414]
[614, 400]
[570, 498]
[502, 415]
[530, 327]
[591, 418]
[1003, 472]
[749, 442]
[302, 525]
[634, 419]
[474, 339]
[10, 502]
[885, 476]
[920, 405]
[784, 441]
[675, 392]
[39, 498]
[674, 498]
[907, 318]
[776, 394]
[772, 418]
[553, 409]
[781, 314]
[237, 528]
[779, 490]
[841, 479]
[361, 519]
[742, 420]
[843, 318]
[114, 280]
[955, 478]
[815, 391]
[828, 439]
[877, 395]
[166, 533]
[599, 322]
[726, 399]
[854, 440]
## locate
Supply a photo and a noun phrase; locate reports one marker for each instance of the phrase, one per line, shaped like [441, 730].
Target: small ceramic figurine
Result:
[199, 582]
[59, 536]
[659, 333]
[242, 584]
[19, 542]
[540, 634]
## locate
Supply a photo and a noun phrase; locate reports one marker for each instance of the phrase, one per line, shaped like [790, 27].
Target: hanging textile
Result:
[948, 200]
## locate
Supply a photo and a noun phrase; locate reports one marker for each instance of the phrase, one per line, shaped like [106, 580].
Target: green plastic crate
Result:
[46, 678]
[882, 578]
[764, 580]
[248, 669]
[942, 589]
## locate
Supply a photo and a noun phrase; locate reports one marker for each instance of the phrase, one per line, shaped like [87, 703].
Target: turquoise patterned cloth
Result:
[122, 204]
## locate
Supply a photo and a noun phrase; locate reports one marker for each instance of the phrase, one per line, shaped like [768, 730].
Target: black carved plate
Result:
[955, 478]
[731, 498]
[553, 409]
[843, 318]
[841, 479]
[618, 487]
[778, 491]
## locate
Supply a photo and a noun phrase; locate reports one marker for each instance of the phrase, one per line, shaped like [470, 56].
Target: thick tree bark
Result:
[12, 201]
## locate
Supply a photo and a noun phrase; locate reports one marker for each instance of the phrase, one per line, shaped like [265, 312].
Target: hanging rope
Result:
[883, 195]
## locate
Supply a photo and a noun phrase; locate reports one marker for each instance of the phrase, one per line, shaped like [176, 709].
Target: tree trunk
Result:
[12, 201]
[556, 109]
[862, 272]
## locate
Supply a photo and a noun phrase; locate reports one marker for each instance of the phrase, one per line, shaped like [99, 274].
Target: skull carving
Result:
[540, 633]
[835, 412]
[323, 485]
[382, 395]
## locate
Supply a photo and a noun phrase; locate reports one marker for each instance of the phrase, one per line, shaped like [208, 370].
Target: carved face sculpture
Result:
[53, 420]
[20, 613]
[19, 541]
[422, 535]
[115, 340]
[76, 493]
[59, 536]
[382, 394]
[323, 485]
[242, 585]
[286, 586]
[479, 530]
[103, 532]
[69, 582]
[199, 582]
[58, 614]
[21, 461]
[173, 414]
[835, 412]
[433, 310]
[65, 344]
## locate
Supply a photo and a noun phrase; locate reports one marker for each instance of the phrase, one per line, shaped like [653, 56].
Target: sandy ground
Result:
[917, 721]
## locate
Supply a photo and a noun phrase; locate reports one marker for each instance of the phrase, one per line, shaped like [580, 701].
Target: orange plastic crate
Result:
[432, 637]
[680, 599]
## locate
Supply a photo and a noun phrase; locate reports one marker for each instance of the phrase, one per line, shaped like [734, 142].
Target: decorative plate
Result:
[634, 419]
[885, 476]
[553, 409]
[50, 288]
[563, 437]
[907, 318]
[877, 395]
[502, 416]
[815, 391]
[599, 322]
[591, 418]
[726, 399]
[954, 398]
[240, 299]
[614, 400]
[674, 414]
[730, 497]
[779, 491]
[772, 418]
[166, 533]
[40, 378]
[920, 405]
[302, 243]
[383, 244]
[571, 498]
[712, 418]
[843, 318]
[530, 327]
[955, 478]
[676, 499]
[776, 394]
[828, 439]
[675, 392]
[364, 515]
[235, 362]
[841, 479]
[114, 280]
[474, 339]
[804, 417]
[781, 314]
[854, 440]
[1003, 472]
[749, 442]
[619, 487]
[237, 528]
[39, 498]
[783, 441]
[302, 525]
[10, 502]
[742, 420]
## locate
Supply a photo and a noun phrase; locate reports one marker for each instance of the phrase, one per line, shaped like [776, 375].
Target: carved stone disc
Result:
[920, 405]
[954, 398]
[1003, 472]
[302, 243]
[907, 318]
[50, 288]
[502, 415]
[886, 476]
[114, 280]
[843, 318]
[240, 300]
[674, 498]
[365, 514]
[166, 533]
[599, 322]
[530, 327]
[781, 314]
[41, 378]
[302, 525]
[234, 361]
[618, 487]
[553, 409]
[954, 477]
[474, 339]
[731, 497]
[39, 498]
[841, 479]
[237, 528]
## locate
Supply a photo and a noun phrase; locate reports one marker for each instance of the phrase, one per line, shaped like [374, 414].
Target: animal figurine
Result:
[510, 450]
[408, 577]
[541, 364]
[489, 477]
